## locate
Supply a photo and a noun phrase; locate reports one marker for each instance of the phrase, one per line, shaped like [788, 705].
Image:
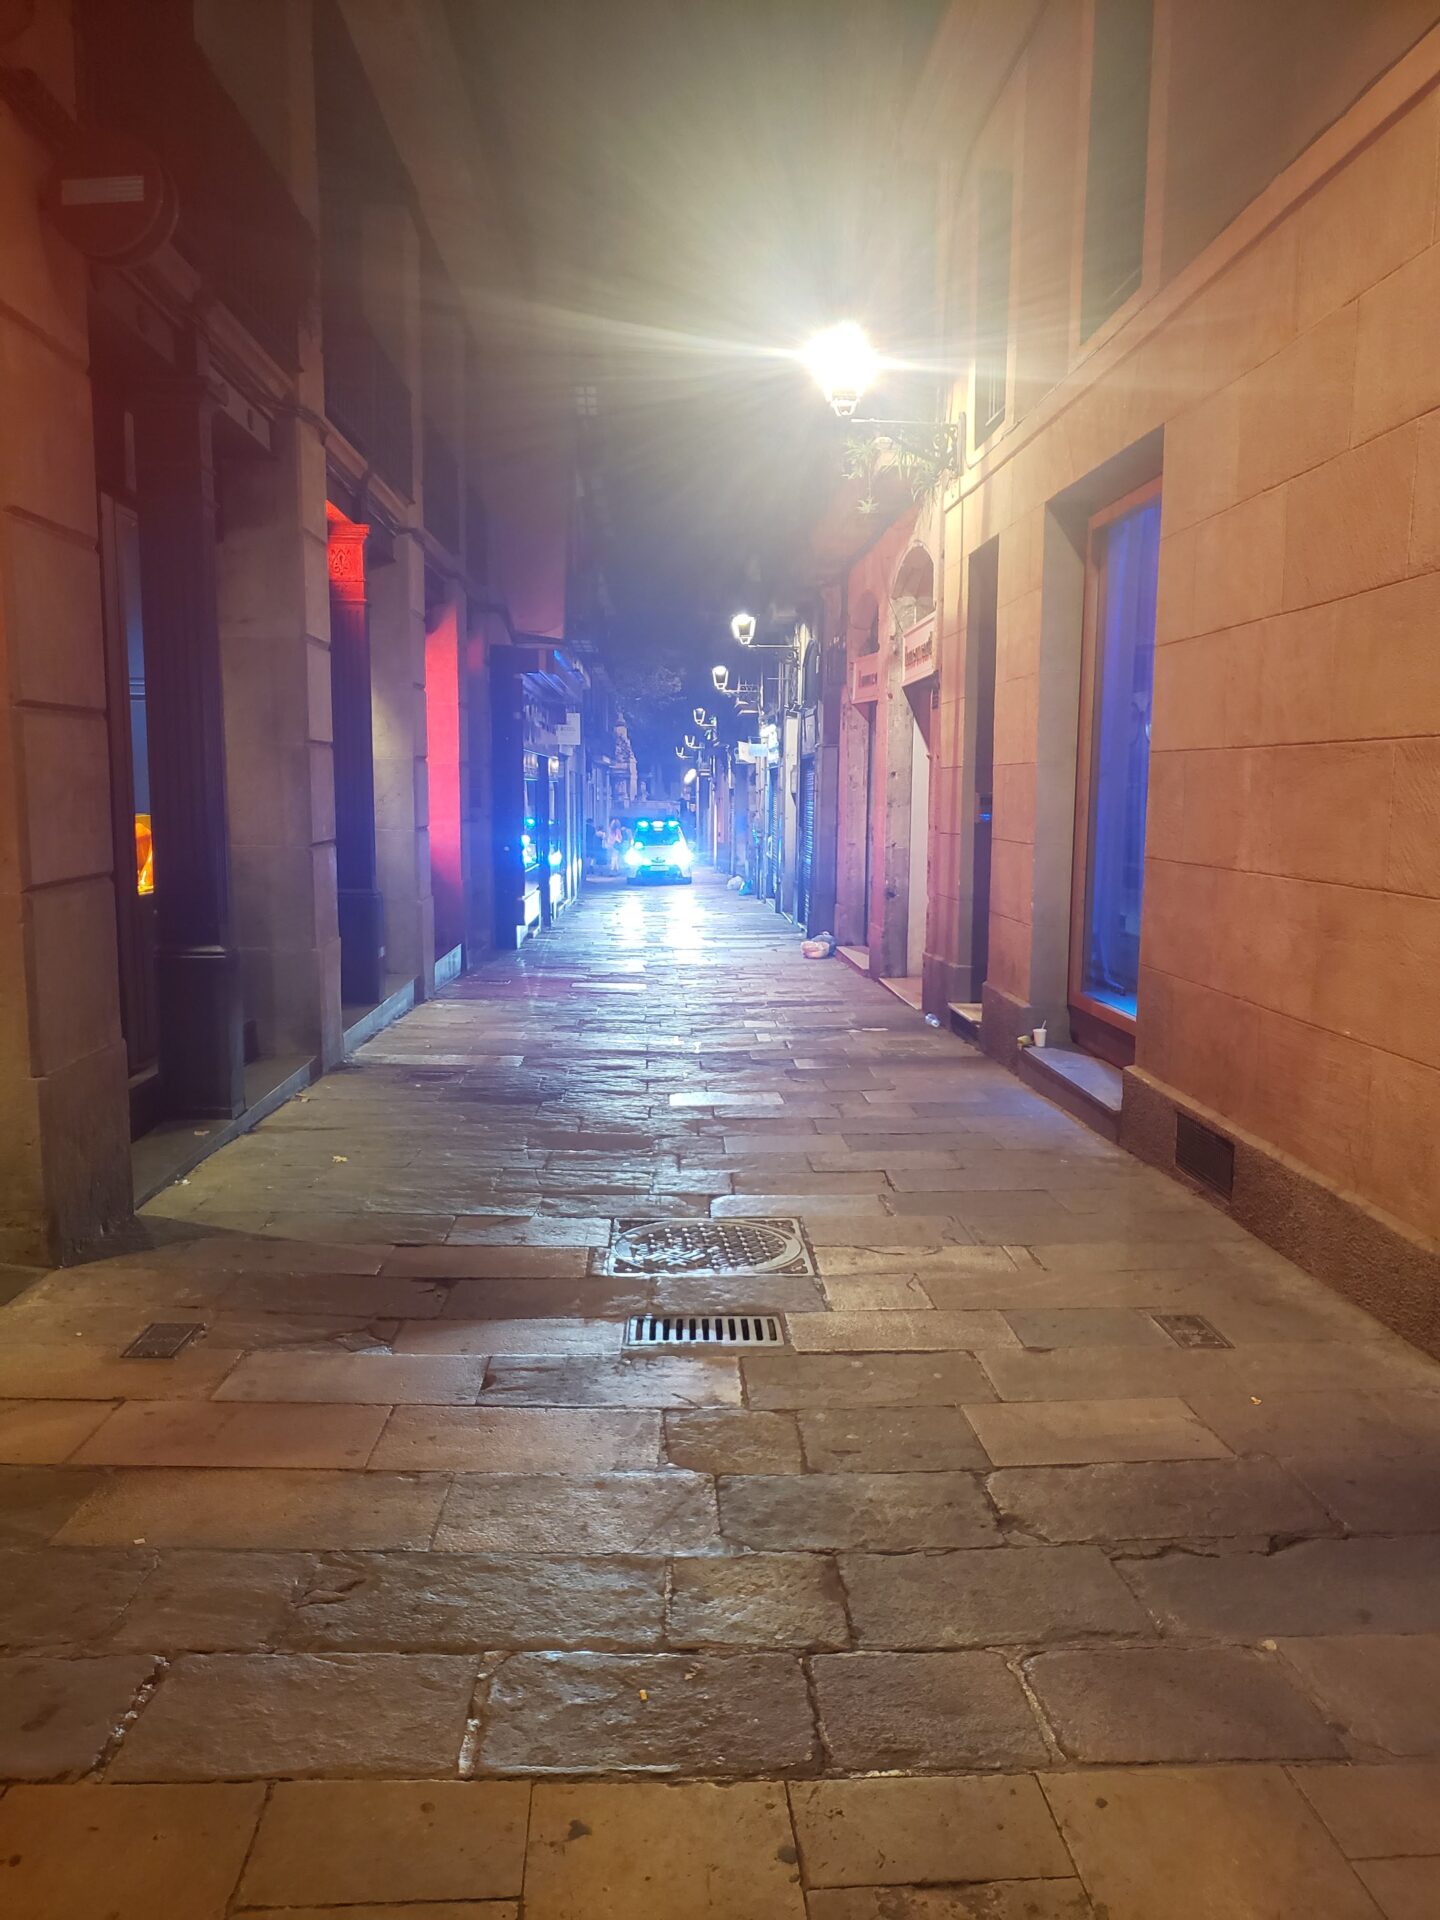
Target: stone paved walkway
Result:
[403, 1591]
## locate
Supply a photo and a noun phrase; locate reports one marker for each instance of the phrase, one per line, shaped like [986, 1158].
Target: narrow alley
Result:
[1071, 1555]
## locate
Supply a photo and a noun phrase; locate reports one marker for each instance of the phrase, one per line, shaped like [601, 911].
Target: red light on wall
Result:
[442, 726]
[346, 554]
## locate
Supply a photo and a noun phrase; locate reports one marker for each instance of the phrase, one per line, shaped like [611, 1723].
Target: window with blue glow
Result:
[1128, 558]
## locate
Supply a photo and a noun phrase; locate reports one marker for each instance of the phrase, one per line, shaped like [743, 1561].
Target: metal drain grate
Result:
[162, 1340]
[1190, 1330]
[708, 1247]
[705, 1330]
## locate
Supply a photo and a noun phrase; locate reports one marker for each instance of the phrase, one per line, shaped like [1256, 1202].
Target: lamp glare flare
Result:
[843, 364]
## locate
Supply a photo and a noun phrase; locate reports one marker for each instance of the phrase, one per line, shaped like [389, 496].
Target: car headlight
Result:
[632, 856]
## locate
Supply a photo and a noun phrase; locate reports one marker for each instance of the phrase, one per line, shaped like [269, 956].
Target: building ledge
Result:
[1088, 1088]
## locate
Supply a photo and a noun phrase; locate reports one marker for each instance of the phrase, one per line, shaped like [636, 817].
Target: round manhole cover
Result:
[709, 1246]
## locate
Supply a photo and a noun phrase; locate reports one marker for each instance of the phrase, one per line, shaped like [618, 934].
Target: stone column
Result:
[64, 1120]
[890, 847]
[274, 643]
[851, 850]
[197, 968]
[274, 609]
[358, 900]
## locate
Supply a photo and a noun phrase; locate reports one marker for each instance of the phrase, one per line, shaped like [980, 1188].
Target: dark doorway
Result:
[130, 804]
[981, 617]
[805, 862]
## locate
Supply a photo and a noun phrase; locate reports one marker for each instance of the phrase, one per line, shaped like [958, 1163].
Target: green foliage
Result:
[918, 458]
[645, 683]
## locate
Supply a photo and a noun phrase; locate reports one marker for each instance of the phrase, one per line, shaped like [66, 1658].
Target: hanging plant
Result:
[919, 459]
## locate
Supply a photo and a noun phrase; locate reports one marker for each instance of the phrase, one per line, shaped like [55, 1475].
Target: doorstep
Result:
[965, 1018]
[1084, 1086]
[907, 987]
[363, 1023]
[176, 1147]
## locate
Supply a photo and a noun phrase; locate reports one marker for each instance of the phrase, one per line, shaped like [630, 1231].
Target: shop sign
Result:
[865, 680]
[918, 651]
[755, 753]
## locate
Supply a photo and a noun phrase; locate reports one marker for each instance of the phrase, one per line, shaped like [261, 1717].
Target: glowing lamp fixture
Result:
[743, 628]
[843, 364]
[721, 678]
[692, 774]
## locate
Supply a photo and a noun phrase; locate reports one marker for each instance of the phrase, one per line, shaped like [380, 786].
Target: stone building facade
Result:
[1184, 730]
[272, 496]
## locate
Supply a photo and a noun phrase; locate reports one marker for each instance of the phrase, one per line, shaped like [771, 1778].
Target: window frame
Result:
[1101, 1028]
[992, 315]
[1093, 318]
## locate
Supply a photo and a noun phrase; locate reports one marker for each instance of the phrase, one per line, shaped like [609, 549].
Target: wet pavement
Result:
[405, 1591]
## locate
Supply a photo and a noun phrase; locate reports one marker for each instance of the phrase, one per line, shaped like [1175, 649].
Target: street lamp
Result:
[721, 678]
[843, 363]
[790, 647]
[742, 628]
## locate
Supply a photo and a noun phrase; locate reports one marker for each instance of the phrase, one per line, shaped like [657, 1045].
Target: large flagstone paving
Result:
[404, 1591]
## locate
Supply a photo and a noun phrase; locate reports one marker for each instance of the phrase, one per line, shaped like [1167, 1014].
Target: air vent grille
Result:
[1207, 1156]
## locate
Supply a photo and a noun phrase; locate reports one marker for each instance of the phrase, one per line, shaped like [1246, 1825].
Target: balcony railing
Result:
[441, 477]
[477, 531]
[365, 396]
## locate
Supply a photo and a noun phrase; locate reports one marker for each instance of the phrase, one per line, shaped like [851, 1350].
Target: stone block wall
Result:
[1287, 379]
[64, 1137]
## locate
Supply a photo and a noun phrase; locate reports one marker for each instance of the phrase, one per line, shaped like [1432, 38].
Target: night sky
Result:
[703, 186]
